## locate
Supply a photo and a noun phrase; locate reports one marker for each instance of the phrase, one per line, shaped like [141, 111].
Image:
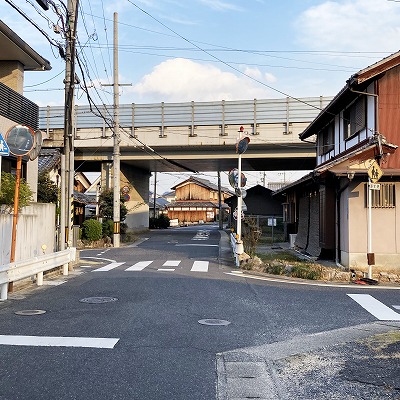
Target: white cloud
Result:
[220, 5]
[270, 77]
[180, 79]
[351, 25]
[253, 72]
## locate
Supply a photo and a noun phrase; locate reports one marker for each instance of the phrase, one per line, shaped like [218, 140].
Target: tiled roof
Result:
[204, 183]
[83, 198]
[48, 159]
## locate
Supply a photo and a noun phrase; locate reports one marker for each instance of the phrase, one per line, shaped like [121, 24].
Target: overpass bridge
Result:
[199, 136]
[192, 136]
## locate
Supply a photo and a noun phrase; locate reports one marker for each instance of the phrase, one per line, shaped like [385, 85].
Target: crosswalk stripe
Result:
[50, 341]
[171, 263]
[108, 267]
[200, 266]
[375, 307]
[139, 266]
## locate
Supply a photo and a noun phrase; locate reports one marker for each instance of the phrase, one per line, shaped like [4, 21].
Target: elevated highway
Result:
[197, 136]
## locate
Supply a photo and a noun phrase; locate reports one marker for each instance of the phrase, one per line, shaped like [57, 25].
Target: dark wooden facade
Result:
[196, 200]
[389, 112]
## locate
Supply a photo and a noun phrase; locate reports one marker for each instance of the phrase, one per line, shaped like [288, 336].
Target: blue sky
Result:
[208, 50]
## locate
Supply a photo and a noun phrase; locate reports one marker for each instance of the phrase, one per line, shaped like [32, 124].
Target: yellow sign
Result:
[374, 172]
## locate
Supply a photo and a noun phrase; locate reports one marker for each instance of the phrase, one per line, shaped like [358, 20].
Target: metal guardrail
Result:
[18, 270]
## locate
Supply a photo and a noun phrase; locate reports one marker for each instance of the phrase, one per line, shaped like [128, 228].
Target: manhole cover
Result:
[216, 322]
[30, 312]
[98, 300]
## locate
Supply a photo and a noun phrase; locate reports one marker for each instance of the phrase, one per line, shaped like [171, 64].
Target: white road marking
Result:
[108, 267]
[201, 235]
[135, 244]
[396, 307]
[166, 269]
[139, 266]
[172, 263]
[197, 244]
[375, 307]
[51, 341]
[308, 283]
[98, 258]
[200, 266]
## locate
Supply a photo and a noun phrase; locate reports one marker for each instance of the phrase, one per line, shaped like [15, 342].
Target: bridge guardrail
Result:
[22, 269]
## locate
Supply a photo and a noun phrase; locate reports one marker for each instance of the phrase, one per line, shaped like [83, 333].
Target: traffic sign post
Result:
[241, 147]
[4, 151]
[374, 174]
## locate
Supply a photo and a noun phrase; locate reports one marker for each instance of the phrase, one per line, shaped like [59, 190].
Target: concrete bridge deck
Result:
[200, 136]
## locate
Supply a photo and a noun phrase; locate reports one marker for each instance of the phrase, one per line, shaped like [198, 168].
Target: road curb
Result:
[232, 384]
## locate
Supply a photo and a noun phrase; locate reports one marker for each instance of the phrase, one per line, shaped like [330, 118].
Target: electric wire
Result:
[49, 39]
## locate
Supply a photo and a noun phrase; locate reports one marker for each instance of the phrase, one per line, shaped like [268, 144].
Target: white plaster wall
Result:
[35, 227]
[385, 232]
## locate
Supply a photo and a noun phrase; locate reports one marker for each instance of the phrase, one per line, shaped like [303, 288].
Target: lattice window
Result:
[383, 198]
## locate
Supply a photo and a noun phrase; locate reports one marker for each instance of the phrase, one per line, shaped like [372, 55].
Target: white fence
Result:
[36, 232]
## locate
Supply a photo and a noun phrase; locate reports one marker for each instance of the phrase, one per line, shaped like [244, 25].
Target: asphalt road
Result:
[153, 346]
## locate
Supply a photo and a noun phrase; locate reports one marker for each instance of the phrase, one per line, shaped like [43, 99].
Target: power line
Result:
[49, 39]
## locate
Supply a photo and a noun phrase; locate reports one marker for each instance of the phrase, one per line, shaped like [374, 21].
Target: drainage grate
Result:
[30, 312]
[215, 322]
[98, 300]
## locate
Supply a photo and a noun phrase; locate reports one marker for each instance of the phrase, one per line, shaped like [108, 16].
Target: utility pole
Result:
[117, 141]
[155, 194]
[220, 221]
[116, 152]
[67, 156]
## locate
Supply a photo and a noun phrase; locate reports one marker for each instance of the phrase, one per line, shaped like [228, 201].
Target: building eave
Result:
[13, 48]
[359, 157]
[359, 82]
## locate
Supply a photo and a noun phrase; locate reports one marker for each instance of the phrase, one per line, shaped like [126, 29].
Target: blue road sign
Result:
[4, 150]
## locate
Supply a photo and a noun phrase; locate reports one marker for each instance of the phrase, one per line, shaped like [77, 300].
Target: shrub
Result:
[47, 189]
[275, 269]
[306, 272]
[161, 222]
[107, 228]
[8, 190]
[106, 206]
[91, 230]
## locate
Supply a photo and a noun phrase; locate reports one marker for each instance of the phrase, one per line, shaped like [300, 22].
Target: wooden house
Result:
[197, 200]
[345, 209]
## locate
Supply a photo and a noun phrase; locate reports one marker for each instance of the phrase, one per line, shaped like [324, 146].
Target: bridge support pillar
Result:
[134, 184]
